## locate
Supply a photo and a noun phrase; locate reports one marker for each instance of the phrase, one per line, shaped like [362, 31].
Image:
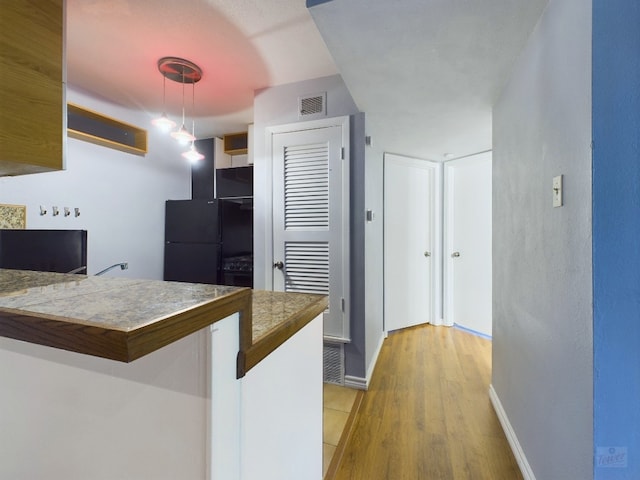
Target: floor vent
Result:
[333, 357]
[312, 106]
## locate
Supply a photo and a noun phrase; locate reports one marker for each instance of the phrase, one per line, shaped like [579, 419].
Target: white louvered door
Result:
[310, 219]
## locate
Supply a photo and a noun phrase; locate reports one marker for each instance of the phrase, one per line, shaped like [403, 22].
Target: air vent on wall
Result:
[312, 106]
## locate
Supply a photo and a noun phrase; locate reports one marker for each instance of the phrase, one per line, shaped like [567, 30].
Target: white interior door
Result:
[468, 243]
[310, 218]
[409, 241]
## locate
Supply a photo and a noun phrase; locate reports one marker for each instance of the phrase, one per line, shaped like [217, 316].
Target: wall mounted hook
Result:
[43, 211]
[67, 212]
[76, 211]
[55, 211]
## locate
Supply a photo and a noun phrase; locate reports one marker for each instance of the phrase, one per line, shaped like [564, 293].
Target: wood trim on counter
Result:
[114, 344]
[159, 334]
[125, 319]
[276, 337]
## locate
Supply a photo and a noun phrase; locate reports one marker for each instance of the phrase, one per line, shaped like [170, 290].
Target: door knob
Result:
[455, 254]
[279, 265]
[427, 254]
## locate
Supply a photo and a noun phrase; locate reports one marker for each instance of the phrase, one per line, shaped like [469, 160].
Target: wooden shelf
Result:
[94, 127]
[236, 143]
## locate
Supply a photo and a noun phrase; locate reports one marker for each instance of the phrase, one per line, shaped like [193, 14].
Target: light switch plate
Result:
[557, 191]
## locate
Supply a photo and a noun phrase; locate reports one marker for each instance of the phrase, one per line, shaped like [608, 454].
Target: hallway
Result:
[427, 413]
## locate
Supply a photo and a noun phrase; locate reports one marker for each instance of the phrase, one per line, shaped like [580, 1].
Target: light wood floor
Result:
[339, 407]
[427, 413]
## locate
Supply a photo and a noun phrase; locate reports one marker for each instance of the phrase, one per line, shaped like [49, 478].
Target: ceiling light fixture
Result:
[193, 155]
[182, 71]
[163, 122]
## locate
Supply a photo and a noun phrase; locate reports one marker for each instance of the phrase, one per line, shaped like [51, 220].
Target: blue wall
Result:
[616, 238]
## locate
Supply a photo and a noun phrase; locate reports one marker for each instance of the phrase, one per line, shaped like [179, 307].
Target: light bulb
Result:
[164, 123]
[192, 154]
[183, 136]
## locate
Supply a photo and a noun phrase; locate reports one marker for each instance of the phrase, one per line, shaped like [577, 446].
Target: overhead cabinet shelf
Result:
[236, 143]
[94, 127]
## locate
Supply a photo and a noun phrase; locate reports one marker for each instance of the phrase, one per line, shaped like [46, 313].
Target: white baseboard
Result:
[358, 383]
[516, 448]
[441, 322]
[363, 383]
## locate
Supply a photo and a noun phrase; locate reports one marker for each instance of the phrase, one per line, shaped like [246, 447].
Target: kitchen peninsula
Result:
[152, 379]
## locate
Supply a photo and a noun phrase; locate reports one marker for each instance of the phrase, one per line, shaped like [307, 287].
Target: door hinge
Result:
[342, 304]
[342, 153]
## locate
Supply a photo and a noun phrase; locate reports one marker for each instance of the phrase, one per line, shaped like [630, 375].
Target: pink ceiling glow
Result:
[113, 47]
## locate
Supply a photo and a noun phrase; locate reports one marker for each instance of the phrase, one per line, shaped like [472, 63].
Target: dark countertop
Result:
[124, 319]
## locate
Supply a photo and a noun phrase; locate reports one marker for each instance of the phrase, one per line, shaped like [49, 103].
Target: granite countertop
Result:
[124, 319]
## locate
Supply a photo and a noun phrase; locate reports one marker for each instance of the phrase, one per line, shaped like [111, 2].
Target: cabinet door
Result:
[33, 113]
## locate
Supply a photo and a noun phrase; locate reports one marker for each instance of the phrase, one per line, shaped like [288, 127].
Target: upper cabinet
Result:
[33, 110]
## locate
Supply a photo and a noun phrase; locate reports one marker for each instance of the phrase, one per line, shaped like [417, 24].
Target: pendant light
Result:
[183, 71]
[163, 122]
[183, 136]
[193, 155]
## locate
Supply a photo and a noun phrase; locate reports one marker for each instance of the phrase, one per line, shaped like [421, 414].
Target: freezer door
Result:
[192, 221]
[192, 262]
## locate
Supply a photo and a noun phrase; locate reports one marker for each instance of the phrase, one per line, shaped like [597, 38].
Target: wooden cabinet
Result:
[235, 143]
[32, 116]
[237, 147]
[94, 127]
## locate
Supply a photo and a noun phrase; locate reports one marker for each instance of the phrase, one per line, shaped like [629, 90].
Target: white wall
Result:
[542, 296]
[120, 196]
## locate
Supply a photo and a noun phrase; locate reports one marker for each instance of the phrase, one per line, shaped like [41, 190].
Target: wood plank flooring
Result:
[340, 405]
[427, 413]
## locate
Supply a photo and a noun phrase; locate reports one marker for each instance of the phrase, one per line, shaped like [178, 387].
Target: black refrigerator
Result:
[209, 241]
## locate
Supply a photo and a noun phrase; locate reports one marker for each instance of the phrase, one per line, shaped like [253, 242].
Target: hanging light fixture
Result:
[163, 122]
[183, 136]
[193, 155]
[183, 71]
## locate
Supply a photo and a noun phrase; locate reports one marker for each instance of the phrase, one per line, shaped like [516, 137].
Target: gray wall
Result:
[278, 106]
[542, 296]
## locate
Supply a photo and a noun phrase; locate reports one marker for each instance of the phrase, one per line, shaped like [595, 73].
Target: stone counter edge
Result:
[252, 355]
[125, 346]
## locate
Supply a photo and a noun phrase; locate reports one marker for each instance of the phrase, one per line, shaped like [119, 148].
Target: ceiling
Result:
[425, 72]
[241, 45]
